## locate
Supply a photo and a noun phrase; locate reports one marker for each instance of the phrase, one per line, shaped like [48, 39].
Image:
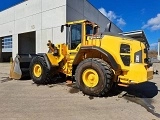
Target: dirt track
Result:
[23, 100]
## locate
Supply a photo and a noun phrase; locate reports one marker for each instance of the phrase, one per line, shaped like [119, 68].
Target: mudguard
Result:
[107, 54]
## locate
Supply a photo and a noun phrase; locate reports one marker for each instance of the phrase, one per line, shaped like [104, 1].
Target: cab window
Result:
[76, 31]
[89, 30]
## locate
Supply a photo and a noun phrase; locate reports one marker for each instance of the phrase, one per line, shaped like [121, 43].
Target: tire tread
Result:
[105, 67]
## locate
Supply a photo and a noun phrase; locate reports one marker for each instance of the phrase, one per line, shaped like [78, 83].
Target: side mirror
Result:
[62, 28]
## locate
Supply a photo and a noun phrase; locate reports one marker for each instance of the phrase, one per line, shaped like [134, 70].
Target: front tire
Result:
[39, 71]
[94, 77]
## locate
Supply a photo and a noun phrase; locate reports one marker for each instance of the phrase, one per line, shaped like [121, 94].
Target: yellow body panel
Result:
[71, 54]
[53, 59]
[137, 73]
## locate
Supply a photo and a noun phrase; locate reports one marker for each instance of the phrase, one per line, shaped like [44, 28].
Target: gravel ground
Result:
[24, 100]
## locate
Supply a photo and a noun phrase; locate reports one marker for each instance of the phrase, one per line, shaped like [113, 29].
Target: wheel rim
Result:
[37, 70]
[90, 78]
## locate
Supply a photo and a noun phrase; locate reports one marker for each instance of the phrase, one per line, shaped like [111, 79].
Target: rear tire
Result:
[39, 71]
[94, 77]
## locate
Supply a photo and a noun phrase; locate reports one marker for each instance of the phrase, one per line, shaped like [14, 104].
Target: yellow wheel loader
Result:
[94, 60]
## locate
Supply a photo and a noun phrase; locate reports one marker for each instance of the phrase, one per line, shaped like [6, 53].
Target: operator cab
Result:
[78, 31]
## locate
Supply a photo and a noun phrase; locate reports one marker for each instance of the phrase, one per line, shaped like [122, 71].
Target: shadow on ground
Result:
[24, 78]
[143, 95]
[147, 89]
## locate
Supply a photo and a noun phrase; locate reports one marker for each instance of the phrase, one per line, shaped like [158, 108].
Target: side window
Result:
[75, 35]
[89, 30]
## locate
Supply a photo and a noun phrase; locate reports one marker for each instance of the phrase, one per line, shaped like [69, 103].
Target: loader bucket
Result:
[20, 66]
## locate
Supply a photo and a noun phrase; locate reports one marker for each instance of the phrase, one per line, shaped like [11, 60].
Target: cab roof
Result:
[80, 21]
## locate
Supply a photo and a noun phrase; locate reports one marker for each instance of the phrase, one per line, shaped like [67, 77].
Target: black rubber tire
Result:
[44, 78]
[104, 72]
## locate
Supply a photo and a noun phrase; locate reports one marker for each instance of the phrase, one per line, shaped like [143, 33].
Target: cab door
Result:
[75, 36]
[74, 41]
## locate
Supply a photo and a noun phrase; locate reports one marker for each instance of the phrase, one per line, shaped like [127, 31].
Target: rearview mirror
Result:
[62, 28]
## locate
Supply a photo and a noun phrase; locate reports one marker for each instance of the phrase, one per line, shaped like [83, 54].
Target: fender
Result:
[44, 55]
[107, 54]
